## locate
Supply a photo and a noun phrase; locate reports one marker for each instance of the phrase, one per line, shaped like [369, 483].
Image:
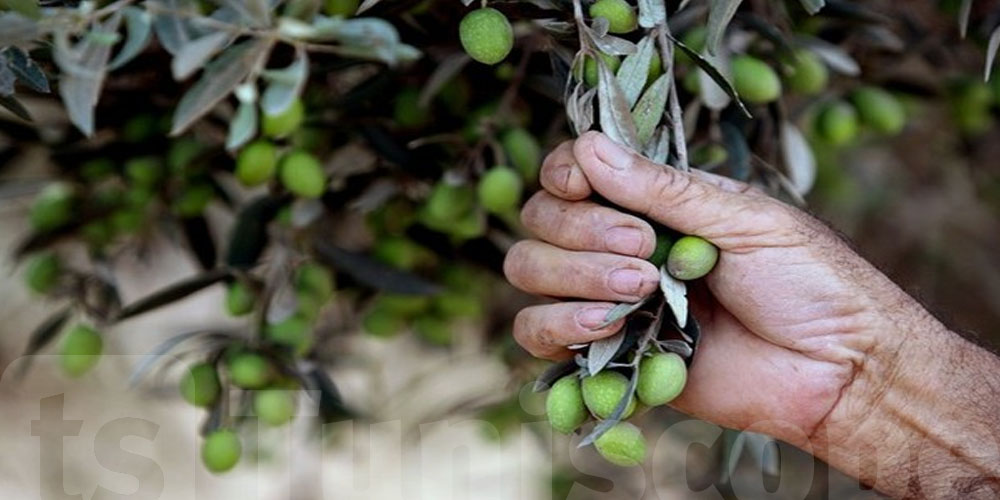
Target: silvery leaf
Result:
[991, 52]
[834, 56]
[84, 68]
[652, 13]
[634, 70]
[285, 85]
[16, 29]
[7, 79]
[719, 14]
[661, 143]
[193, 55]
[139, 25]
[799, 160]
[812, 6]
[26, 70]
[621, 310]
[243, 127]
[172, 24]
[602, 351]
[367, 4]
[553, 373]
[648, 111]
[675, 293]
[712, 95]
[615, 115]
[713, 72]
[964, 11]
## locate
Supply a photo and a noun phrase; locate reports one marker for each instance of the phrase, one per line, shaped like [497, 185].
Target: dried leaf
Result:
[602, 351]
[554, 372]
[720, 13]
[173, 293]
[798, 156]
[193, 55]
[675, 293]
[218, 81]
[648, 112]
[285, 85]
[615, 113]
[139, 25]
[634, 70]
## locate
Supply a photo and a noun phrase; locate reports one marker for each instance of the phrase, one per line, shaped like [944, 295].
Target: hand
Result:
[789, 312]
[802, 338]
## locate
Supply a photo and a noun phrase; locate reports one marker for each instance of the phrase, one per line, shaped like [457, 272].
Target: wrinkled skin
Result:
[788, 315]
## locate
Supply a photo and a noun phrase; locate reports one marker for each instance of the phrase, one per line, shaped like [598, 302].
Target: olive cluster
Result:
[299, 171]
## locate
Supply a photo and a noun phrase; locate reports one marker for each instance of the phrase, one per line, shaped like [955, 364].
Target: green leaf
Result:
[649, 110]
[719, 14]
[173, 293]
[714, 73]
[139, 25]
[219, 79]
[27, 71]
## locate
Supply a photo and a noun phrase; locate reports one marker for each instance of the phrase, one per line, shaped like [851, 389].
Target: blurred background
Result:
[432, 398]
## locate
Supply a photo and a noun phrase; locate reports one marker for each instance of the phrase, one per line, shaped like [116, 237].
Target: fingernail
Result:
[611, 153]
[624, 240]
[560, 175]
[592, 317]
[626, 281]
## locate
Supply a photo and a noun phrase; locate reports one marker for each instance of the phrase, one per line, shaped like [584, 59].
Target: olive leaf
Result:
[7, 79]
[720, 13]
[621, 310]
[713, 72]
[193, 55]
[173, 293]
[156, 354]
[617, 414]
[964, 11]
[139, 27]
[27, 71]
[652, 13]
[221, 76]
[634, 70]
[812, 6]
[285, 85]
[249, 236]
[331, 405]
[833, 55]
[649, 110]
[200, 240]
[367, 4]
[84, 67]
[712, 95]
[42, 336]
[798, 157]
[372, 273]
[609, 44]
[171, 23]
[675, 292]
[991, 52]
[614, 112]
[602, 351]
[15, 28]
[554, 372]
[10, 103]
[680, 347]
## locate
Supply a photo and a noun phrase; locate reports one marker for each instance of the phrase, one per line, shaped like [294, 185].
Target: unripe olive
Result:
[692, 82]
[620, 15]
[182, 153]
[221, 450]
[661, 378]
[754, 80]
[97, 233]
[434, 330]
[622, 445]
[655, 68]
[81, 350]
[302, 174]
[458, 304]
[403, 305]
[382, 323]
[446, 203]
[140, 128]
[500, 190]
[240, 299]
[200, 385]
[807, 74]
[471, 225]
[256, 163]
[591, 71]
[691, 258]
[249, 370]
[662, 249]
[314, 279]
[193, 200]
[837, 123]
[602, 392]
[486, 35]
[294, 332]
[144, 172]
[399, 252]
[709, 154]
[282, 125]
[344, 8]
[971, 100]
[53, 207]
[564, 405]
[523, 152]
[275, 407]
[879, 109]
[42, 272]
[407, 111]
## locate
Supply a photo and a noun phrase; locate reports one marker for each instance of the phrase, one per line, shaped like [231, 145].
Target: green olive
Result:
[662, 377]
[754, 80]
[281, 125]
[221, 450]
[302, 174]
[622, 445]
[602, 392]
[275, 407]
[42, 272]
[486, 35]
[564, 405]
[691, 258]
[200, 385]
[620, 15]
[500, 190]
[80, 350]
[249, 370]
[256, 163]
[879, 109]
[523, 152]
[837, 123]
[407, 111]
[344, 8]
[807, 74]
[54, 207]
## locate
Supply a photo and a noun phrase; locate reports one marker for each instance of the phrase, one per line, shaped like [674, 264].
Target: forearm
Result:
[922, 416]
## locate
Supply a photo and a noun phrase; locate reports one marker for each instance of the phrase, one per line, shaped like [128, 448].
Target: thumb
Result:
[694, 202]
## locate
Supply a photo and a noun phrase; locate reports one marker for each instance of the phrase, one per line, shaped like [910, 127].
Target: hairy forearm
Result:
[922, 416]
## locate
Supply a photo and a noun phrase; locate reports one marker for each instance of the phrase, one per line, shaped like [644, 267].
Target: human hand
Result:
[788, 315]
